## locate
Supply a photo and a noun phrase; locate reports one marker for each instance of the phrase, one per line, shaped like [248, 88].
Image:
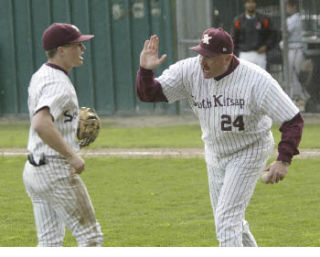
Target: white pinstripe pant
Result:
[60, 200]
[232, 181]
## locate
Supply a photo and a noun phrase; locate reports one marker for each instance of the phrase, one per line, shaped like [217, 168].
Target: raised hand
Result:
[149, 57]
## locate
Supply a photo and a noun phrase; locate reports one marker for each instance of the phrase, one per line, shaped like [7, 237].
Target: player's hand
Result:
[77, 164]
[262, 50]
[149, 57]
[277, 171]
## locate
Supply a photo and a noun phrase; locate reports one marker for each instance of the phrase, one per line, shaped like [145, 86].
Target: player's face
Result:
[73, 54]
[214, 66]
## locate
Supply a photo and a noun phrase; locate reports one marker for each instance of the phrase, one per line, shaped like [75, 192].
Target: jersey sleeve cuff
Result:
[145, 72]
[284, 157]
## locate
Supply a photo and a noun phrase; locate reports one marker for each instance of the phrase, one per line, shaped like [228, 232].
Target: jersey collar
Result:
[233, 65]
[57, 67]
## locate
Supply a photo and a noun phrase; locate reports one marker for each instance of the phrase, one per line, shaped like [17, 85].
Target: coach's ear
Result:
[229, 57]
[226, 60]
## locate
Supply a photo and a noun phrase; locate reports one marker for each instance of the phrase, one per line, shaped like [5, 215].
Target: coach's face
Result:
[215, 66]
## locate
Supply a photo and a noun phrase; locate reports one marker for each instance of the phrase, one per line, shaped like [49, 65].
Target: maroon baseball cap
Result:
[58, 34]
[214, 41]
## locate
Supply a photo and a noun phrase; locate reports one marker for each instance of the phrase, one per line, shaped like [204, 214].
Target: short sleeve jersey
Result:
[235, 111]
[52, 88]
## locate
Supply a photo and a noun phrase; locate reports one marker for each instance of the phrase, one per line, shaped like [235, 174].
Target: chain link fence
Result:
[193, 18]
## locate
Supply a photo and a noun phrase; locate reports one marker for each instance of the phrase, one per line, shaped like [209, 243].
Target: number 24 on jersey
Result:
[227, 123]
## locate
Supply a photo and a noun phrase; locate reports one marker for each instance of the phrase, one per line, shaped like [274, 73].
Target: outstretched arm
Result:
[149, 57]
[148, 89]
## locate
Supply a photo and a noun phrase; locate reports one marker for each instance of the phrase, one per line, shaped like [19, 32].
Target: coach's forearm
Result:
[148, 89]
[42, 123]
[290, 139]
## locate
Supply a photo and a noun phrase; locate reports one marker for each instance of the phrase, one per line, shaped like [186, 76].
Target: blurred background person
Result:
[253, 35]
[295, 54]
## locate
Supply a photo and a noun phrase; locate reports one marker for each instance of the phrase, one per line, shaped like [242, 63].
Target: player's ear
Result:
[60, 50]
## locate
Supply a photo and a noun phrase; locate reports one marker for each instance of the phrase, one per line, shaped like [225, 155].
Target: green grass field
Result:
[16, 135]
[165, 202]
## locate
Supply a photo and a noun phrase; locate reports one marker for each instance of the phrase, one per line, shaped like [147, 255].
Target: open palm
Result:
[149, 57]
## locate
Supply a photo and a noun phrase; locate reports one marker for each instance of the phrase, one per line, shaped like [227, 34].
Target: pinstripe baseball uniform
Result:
[59, 198]
[235, 101]
[234, 115]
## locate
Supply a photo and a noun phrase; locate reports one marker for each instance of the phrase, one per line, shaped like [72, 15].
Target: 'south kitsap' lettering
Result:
[219, 101]
[69, 116]
[204, 104]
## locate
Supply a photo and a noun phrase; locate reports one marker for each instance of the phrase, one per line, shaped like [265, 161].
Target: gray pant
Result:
[295, 58]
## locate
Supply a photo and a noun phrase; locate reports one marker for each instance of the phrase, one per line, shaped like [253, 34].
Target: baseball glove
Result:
[88, 126]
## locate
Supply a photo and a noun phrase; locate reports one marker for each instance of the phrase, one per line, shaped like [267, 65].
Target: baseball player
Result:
[295, 54]
[253, 35]
[50, 175]
[235, 102]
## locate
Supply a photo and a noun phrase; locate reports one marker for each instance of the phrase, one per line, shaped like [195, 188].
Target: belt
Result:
[42, 160]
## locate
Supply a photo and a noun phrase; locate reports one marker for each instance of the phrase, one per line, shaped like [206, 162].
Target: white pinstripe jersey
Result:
[234, 112]
[52, 88]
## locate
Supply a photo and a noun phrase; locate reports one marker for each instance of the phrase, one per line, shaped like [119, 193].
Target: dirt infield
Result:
[150, 152]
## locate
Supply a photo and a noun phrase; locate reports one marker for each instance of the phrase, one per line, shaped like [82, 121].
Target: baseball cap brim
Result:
[204, 51]
[82, 38]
